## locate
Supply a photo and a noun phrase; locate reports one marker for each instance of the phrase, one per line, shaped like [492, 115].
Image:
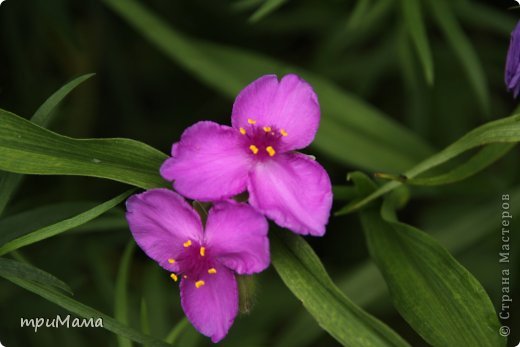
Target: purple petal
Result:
[512, 71]
[209, 163]
[294, 191]
[237, 237]
[161, 221]
[211, 308]
[289, 104]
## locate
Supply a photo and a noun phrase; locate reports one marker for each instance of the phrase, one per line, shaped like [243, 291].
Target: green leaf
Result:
[348, 122]
[64, 225]
[85, 311]
[28, 272]
[145, 321]
[436, 295]
[121, 297]
[506, 130]
[414, 22]
[22, 223]
[43, 116]
[267, 7]
[484, 158]
[463, 50]
[303, 273]
[365, 286]
[177, 330]
[29, 149]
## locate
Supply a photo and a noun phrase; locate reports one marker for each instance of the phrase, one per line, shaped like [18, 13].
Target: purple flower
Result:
[270, 120]
[512, 74]
[235, 240]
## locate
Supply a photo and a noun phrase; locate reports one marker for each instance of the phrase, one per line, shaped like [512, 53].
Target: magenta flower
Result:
[235, 240]
[512, 74]
[270, 120]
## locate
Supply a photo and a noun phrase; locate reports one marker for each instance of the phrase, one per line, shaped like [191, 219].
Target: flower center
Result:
[262, 141]
[193, 263]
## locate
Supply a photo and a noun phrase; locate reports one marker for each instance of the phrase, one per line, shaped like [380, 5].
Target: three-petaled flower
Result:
[512, 73]
[204, 259]
[270, 120]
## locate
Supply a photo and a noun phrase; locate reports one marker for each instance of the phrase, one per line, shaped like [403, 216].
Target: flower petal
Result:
[294, 191]
[209, 163]
[290, 104]
[237, 237]
[161, 221]
[212, 307]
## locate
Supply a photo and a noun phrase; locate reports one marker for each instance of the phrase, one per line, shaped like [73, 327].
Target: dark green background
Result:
[140, 93]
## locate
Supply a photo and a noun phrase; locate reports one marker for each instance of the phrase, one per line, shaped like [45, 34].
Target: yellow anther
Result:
[171, 261]
[187, 243]
[283, 132]
[267, 129]
[242, 131]
[202, 251]
[200, 283]
[174, 277]
[251, 121]
[212, 271]
[270, 150]
[253, 149]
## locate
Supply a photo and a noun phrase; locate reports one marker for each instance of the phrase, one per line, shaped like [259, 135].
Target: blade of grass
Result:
[62, 226]
[145, 321]
[414, 23]
[177, 330]
[506, 130]
[121, 292]
[43, 116]
[265, 9]
[303, 273]
[31, 273]
[463, 49]
[88, 312]
[30, 149]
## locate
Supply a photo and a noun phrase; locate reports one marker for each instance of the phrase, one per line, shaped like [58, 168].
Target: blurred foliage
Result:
[429, 71]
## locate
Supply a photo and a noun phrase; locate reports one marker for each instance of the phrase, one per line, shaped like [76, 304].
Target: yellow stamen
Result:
[242, 131]
[283, 132]
[202, 251]
[212, 271]
[187, 243]
[253, 149]
[270, 150]
[174, 277]
[251, 121]
[171, 261]
[200, 283]
[267, 129]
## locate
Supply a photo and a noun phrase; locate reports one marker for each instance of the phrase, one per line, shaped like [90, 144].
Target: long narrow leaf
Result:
[25, 222]
[28, 272]
[303, 273]
[29, 149]
[484, 158]
[62, 226]
[436, 295]
[463, 50]
[415, 26]
[88, 312]
[9, 182]
[505, 130]
[267, 7]
[121, 292]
